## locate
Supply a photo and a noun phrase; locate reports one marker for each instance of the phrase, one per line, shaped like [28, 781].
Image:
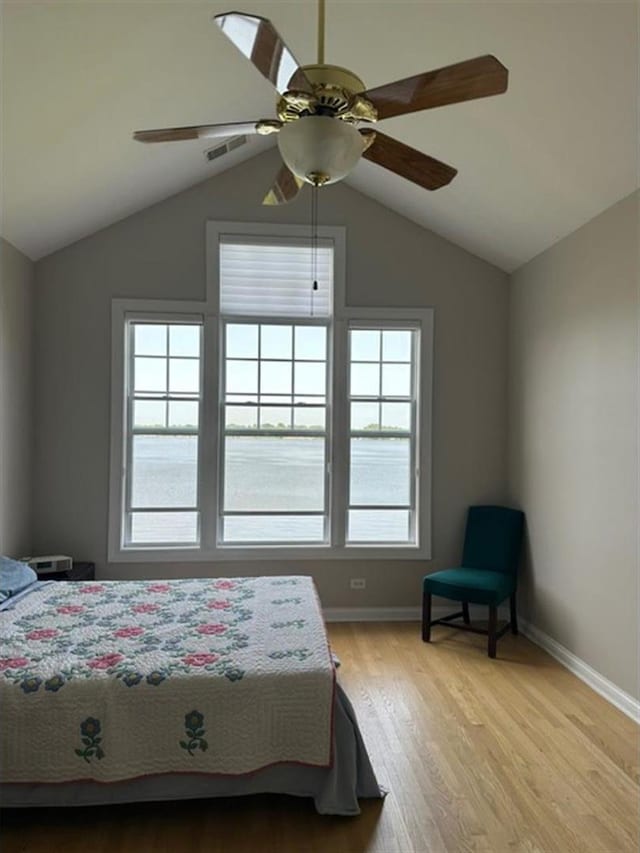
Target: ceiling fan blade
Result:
[260, 42]
[474, 78]
[202, 131]
[408, 163]
[284, 189]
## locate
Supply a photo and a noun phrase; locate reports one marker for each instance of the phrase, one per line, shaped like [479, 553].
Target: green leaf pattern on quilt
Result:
[194, 728]
[91, 740]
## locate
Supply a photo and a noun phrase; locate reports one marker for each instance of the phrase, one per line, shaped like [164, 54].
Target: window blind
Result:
[271, 276]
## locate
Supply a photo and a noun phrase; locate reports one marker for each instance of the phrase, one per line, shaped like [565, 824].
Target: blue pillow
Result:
[14, 577]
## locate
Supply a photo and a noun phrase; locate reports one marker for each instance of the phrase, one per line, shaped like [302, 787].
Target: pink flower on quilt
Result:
[13, 663]
[159, 587]
[130, 631]
[43, 634]
[92, 587]
[225, 585]
[219, 604]
[215, 628]
[71, 608]
[145, 608]
[106, 661]
[200, 659]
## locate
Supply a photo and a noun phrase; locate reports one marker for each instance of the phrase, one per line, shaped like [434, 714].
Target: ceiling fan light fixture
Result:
[319, 149]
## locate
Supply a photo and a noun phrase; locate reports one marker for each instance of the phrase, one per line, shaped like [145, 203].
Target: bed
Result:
[125, 691]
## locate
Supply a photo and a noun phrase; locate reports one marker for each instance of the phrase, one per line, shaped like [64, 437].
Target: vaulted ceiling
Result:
[534, 164]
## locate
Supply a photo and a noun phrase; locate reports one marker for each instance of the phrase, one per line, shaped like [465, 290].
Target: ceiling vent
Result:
[229, 145]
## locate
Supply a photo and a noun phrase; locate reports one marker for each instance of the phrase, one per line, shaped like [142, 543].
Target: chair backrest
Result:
[493, 538]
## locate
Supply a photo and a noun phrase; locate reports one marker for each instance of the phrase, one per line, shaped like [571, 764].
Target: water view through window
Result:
[279, 473]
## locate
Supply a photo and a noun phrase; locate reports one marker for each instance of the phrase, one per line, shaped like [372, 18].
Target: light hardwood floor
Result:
[514, 755]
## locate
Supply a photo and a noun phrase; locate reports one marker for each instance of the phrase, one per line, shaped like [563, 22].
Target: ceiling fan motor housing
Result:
[335, 93]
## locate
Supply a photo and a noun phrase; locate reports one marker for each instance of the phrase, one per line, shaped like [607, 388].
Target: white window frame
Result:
[131, 431]
[417, 318]
[207, 313]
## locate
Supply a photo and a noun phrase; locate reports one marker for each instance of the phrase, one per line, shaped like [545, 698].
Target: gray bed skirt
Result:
[334, 790]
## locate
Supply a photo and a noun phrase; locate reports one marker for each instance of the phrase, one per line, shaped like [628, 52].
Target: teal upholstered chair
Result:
[488, 574]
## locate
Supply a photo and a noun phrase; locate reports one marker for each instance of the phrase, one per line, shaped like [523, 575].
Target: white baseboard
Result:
[607, 689]
[372, 614]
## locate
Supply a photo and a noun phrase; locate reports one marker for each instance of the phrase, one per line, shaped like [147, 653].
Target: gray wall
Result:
[573, 456]
[16, 399]
[160, 253]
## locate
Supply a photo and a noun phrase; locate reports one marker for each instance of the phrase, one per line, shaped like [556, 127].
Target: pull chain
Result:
[314, 243]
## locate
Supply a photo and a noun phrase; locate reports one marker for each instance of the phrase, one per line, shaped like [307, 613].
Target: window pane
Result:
[183, 414]
[275, 377]
[311, 342]
[365, 416]
[396, 380]
[380, 471]
[164, 471]
[312, 417]
[157, 528]
[150, 339]
[365, 380]
[396, 345]
[275, 341]
[396, 416]
[242, 340]
[150, 374]
[149, 413]
[184, 340]
[378, 525]
[242, 377]
[365, 345]
[310, 377]
[273, 528]
[269, 473]
[241, 417]
[278, 417]
[184, 376]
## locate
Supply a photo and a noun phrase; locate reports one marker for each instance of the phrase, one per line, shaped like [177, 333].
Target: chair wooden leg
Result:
[514, 616]
[493, 626]
[465, 613]
[426, 617]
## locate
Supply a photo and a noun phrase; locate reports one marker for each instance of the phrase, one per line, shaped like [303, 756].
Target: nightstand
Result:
[79, 572]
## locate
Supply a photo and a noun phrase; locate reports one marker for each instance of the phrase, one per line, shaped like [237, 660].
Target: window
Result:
[269, 420]
[383, 402]
[270, 276]
[275, 444]
[163, 415]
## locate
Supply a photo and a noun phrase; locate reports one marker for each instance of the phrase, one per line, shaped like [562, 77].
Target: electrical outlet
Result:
[358, 583]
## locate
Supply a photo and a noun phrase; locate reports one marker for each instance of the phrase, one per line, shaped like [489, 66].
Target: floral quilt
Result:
[115, 680]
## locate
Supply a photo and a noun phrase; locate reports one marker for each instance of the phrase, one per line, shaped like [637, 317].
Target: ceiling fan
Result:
[327, 119]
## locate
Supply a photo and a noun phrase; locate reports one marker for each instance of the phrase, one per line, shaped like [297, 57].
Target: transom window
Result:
[270, 420]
